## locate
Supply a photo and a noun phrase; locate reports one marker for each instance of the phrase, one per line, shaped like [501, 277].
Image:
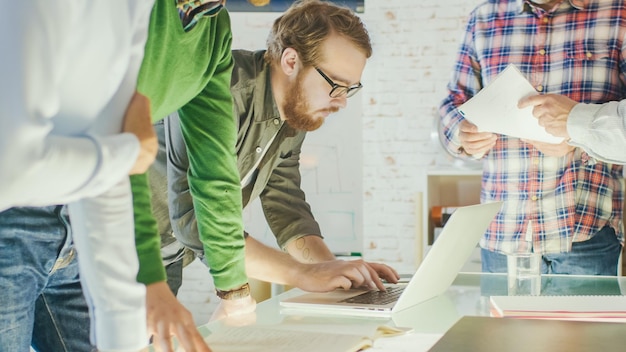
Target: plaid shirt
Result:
[576, 49]
[191, 11]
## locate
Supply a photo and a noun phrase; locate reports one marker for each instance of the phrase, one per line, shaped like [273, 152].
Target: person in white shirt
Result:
[72, 128]
[603, 136]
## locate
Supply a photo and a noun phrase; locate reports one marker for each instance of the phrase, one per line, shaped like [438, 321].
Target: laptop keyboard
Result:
[377, 297]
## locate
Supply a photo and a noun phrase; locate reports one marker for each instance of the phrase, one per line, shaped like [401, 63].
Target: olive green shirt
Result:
[276, 179]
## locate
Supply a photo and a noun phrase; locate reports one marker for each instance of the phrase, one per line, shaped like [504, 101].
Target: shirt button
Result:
[540, 88]
[546, 20]
[542, 52]
[276, 122]
[536, 161]
[589, 55]
[259, 149]
[533, 198]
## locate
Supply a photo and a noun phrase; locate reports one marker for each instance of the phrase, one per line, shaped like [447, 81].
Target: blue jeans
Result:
[41, 300]
[596, 256]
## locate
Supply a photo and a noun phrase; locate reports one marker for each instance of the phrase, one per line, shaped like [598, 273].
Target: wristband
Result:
[241, 292]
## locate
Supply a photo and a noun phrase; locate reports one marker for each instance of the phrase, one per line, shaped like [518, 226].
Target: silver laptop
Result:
[451, 250]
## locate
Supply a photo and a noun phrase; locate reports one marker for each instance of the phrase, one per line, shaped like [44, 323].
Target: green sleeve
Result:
[147, 238]
[210, 132]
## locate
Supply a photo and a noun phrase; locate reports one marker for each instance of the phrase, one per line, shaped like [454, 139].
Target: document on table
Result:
[282, 339]
[494, 108]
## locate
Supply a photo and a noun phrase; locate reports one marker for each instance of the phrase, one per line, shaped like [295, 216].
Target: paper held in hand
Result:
[494, 108]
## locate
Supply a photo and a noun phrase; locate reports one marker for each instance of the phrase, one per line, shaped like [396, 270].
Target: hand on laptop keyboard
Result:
[330, 275]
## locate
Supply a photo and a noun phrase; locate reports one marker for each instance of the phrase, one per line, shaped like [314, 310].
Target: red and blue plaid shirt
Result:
[576, 49]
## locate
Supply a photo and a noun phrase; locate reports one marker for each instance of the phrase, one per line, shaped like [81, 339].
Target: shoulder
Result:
[248, 66]
[488, 10]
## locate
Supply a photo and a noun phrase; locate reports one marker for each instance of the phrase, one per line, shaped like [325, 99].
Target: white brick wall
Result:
[415, 43]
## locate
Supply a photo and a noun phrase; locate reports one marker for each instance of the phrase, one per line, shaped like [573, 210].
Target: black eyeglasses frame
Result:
[337, 89]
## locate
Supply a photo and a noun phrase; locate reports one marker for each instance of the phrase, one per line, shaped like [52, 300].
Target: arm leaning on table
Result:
[190, 72]
[214, 184]
[297, 232]
[268, 264]
[318, 270]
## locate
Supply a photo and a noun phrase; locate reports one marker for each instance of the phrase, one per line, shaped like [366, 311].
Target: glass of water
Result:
[524, 274]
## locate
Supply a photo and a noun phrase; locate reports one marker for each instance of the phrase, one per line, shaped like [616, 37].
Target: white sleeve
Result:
[104, 233]
[37, 165]
[600, 130]
[40, 164]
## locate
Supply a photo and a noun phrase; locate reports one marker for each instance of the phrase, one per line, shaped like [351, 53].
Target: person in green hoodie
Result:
[187, 68]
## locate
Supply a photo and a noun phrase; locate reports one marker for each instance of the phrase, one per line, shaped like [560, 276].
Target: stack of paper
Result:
[587, 308]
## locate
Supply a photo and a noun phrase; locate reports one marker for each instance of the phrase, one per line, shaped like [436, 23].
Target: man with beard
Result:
[314, 61]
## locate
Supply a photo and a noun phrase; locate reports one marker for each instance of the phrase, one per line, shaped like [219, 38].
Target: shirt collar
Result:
[577, 4]
[263, 98]
[191, 11]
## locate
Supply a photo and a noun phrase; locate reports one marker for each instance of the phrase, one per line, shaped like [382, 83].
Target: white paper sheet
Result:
[494, 108]
[416, 342]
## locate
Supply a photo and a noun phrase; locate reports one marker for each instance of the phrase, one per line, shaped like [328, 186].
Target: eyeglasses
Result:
[339, 90]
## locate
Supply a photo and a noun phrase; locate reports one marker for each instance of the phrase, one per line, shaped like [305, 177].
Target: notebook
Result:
[486, 334]
[438, 270]
[587, 308]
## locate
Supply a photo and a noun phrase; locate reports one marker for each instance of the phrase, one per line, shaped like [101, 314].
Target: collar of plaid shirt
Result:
[190, 11]
[579, 4]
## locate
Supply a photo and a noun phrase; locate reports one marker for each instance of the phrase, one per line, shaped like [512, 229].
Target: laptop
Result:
[451, 250]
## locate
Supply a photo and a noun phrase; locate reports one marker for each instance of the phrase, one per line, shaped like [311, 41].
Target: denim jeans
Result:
[596, 256]
[41, 300]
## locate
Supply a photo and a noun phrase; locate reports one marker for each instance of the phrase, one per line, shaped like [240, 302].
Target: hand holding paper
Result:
[495, 108]
[552, 110]
[475, 143]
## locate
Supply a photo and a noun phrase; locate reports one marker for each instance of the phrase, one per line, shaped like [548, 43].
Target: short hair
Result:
[307, 23]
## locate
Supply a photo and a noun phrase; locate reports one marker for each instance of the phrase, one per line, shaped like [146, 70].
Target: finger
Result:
[386, 272]
[479, 146]
[163, 342]
[355, 272]
[476, 137]
[191, 340]
[356, 277]
[467, 126]
[185, 337]
[394, 271]
[377, 281]
[535, 143]
[553, 130]
[341, 281]
[366, 272]
[542, 121]
[532, 100]
[543, 112]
